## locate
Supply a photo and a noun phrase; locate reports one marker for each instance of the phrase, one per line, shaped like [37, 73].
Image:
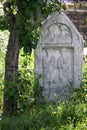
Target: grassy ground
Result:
[69, 115]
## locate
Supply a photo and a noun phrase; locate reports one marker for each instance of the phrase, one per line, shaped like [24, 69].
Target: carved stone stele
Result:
[58, 57]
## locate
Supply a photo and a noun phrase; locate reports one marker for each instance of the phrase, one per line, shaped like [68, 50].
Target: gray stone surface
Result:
[58, 57]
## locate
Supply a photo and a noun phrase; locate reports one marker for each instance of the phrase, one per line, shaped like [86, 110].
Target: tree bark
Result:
[11, 66]
[11, 75]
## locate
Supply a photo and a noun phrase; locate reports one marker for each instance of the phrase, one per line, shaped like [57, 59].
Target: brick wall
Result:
[79, 18]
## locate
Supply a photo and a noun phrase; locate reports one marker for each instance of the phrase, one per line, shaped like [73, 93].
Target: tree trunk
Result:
[11, 64]
[11, 74]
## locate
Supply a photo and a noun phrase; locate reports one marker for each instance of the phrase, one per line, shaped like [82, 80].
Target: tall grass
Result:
[69, 115]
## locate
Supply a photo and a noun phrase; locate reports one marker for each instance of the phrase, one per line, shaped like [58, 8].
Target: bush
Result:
[26, 80]
[68, 115]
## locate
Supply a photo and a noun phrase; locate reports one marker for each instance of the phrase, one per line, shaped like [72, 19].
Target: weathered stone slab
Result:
[58, 57]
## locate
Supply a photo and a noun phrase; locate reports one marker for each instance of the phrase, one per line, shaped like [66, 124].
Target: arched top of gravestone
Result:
[58, 29]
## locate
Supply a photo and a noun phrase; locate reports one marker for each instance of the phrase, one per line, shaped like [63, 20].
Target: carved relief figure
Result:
[65, 70]
[66, 36]
[50, 75]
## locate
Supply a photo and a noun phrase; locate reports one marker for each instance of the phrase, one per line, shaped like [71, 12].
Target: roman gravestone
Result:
[58, 57]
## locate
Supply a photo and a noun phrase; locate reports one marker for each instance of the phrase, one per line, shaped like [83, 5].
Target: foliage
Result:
[84, 80]
[71, 114]
[26, 77]
[38, 89]
[3, 22]
[30, 28]
[3, 43]
[26, 80]
[29, 15]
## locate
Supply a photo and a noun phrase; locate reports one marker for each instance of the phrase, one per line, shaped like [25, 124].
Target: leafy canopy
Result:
[29, 15]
